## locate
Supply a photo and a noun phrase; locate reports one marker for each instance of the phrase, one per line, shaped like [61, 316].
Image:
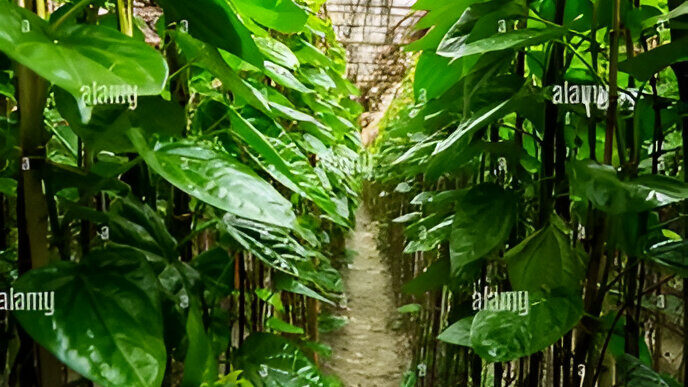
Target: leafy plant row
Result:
[540, 146]
[175, 196]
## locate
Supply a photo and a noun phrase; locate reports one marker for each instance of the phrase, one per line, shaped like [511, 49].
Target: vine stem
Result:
[71, 12]
[613, 78]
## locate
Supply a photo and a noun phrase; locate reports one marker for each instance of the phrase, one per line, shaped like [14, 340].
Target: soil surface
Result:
[367, 352]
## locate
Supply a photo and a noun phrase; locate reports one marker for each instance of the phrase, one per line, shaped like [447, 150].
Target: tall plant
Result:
[239, 126]
[513, 104]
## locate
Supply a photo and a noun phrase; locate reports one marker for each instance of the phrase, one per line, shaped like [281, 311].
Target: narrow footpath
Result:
[367, 352]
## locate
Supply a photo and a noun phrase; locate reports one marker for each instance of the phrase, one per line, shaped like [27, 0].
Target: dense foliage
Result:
[176, 193]
[540, 147]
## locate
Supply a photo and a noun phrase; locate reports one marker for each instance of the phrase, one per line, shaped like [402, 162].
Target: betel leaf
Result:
[546, 251]
[284, 77]
[270, 360]
[290, 284]
[205, 56]
[436, 74]
[214, 22]
[672, 255]
[434, 277]
[216, 268]
[509, 40]
[645, 64]
[107, 324]
[479, 120]
[674, 13]
[632, 372]
[601, 185]
[483, 220]
[458, 333]
[200, 365]
[216, 178]
[280, 325]
[103, 127]
[281, 15]
[499, 336]
[292, 178]
[439, 20]
[277, 52]
[8, 187]
[82, 55]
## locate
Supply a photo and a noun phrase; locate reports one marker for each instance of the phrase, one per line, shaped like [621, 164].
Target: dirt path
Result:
[367, 352]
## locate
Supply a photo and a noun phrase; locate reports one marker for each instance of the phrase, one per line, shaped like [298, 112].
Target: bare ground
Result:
[367, 352]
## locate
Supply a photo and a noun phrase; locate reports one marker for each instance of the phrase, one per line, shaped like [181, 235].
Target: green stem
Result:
[613, 87]
[125, 17]
[71, 12]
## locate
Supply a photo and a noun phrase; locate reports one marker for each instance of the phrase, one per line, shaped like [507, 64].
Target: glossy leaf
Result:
[634, 373]
[483, 221]
[107, 323]
[499, 336]
[206, 56]
[269, 360]
[214, 22]
[458, 333]
[200, 365]
[277, 52]
[601, 185]
[217, 179]
[646, 64]
[281, 15]
[8, 187]
[79, 56]
[279, 325]
[546, 251]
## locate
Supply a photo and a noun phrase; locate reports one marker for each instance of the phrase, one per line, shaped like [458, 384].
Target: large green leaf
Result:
[484, 218]
[436, 74]
[200, 365]
[284, 77]
[645, 64]
[77, 56]
[290, 284]
[107, 323]
[8, 187]
[294, 176]
[499, 336]
[277, 52]
[104, 127]
[217, 179]
[434, 277]
[206, 56]
[458, 333]
[672, 255]
[215, 22]
[632, 372]
[601, 185]
[269, 360]
[503, 41]
[281, 15]
[546, 251]
[480, 119]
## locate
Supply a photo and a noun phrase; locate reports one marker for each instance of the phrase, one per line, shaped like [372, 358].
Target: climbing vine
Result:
[178, 188]
[539, 172]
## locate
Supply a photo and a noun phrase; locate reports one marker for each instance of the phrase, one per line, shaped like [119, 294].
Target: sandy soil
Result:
[367, 352]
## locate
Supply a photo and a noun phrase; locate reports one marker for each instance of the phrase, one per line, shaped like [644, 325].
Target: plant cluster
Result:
[512, 185]
[175, 198]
